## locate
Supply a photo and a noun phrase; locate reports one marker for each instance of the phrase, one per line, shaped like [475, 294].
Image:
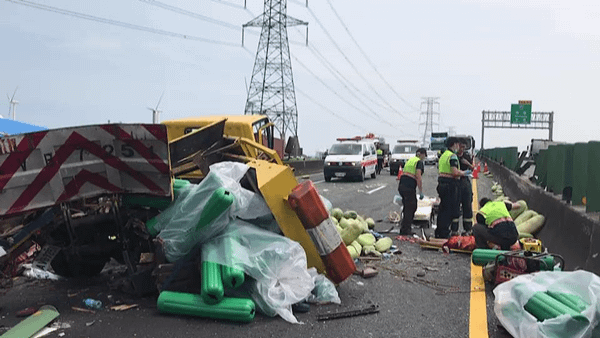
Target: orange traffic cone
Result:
[399, 173]
[476, 172]
[485, 170]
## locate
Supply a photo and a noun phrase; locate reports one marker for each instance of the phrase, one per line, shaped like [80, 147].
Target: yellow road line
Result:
[478, 325]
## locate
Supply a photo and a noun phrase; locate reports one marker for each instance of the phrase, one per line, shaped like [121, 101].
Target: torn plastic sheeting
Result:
[324, 291]
[512, 296]
[177, 224]
[276, 263]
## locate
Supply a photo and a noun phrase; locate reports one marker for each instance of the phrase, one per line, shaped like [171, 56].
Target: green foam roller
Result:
[542, 306]
[219, 201]
[571, 300]
[234, 309]
[483, 256]
[232, 277]
[178, 185]
[212, 290]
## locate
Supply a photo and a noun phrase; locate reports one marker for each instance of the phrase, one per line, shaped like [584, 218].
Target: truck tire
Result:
[327, 178]
[373, 175]
[362, 176]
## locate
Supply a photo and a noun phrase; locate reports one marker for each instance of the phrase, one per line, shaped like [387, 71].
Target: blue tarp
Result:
[12, 127]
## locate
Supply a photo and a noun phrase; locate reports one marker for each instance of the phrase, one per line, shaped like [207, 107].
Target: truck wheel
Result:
[362, 176]
[373, 175]
[327, 178]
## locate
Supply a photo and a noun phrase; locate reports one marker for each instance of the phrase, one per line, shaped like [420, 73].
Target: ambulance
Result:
[351, 158]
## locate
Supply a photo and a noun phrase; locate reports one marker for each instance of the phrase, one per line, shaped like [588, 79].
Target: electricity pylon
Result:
[429, 112]
[271, 90]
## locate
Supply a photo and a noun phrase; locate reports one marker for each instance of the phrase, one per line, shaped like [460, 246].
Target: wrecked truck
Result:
[83, 195]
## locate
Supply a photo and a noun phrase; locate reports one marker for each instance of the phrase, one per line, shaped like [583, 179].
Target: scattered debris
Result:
[350, 313]
[34, 323]
[26, 312]
[78, 309]
[123, 307]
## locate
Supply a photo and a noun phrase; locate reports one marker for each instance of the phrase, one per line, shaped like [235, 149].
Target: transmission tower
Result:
[429, 112]
[271, 90]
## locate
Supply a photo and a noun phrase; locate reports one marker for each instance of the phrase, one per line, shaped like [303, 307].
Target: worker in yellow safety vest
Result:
[379, 159]
[410, 180]
[448, 188]
[494, 225]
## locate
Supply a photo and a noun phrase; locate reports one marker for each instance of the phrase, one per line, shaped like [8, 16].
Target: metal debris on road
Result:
[350, 313]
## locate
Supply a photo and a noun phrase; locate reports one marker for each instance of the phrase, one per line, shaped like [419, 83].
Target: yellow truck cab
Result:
[252, 127]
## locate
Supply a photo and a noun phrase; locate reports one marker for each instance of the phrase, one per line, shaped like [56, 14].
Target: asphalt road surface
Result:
[420, 293]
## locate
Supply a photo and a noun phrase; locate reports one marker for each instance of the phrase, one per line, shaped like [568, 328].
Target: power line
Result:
[328, 110]
[120, 23]
[192, 14]
[353, 66]
[335, 92]
[367, 58]
[339, 77]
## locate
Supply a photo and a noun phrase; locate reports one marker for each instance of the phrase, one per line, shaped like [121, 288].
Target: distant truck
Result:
[469, 141]
[539, 144]
[402, 151]
[438, 141]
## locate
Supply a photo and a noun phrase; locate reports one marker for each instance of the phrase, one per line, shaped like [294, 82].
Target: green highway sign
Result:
[520, 113]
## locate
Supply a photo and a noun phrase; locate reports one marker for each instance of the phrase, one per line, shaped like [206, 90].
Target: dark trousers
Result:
[379, 165]
[449, 206]
[466, 204]
[409, 201]
[483, 235]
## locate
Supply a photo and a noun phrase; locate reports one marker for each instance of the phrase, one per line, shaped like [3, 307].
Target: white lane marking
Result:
[374, 190]
[317, 182]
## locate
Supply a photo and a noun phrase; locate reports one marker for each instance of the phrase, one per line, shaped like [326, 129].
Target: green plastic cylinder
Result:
[212, 290]
[218, 202]
[571, 300]
[542, 306]
[234, 309]
[232, 277]
[593, 183]
[580, 168]
[481, 257]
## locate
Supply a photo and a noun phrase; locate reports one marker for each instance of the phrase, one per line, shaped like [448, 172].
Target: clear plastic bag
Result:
[276, 263]
[324, 291]
[177, 225]
[397, 200]
[512, 296]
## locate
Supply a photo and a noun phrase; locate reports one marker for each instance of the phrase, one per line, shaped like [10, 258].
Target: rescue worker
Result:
[494, 225]
[379, 159]
[448, 184]
[465, 192]
[410, 180]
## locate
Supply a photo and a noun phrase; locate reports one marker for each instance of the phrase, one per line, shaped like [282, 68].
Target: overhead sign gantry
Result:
[520, 116]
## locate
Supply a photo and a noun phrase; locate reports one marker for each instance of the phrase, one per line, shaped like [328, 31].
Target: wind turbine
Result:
[13, 104]
[155, 111]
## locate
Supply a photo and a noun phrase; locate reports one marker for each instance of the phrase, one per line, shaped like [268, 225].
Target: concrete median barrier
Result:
[306, 167]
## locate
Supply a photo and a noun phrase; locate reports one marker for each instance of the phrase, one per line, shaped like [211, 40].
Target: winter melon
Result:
[527, 214]
[518, 208]
[532, 225]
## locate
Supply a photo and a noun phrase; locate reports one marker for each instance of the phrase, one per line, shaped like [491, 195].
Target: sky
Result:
[368, 66]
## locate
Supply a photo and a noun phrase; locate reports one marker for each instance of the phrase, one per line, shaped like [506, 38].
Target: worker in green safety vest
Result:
[379, 159]
[410, 180]
[448, 188]
[494, 225]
